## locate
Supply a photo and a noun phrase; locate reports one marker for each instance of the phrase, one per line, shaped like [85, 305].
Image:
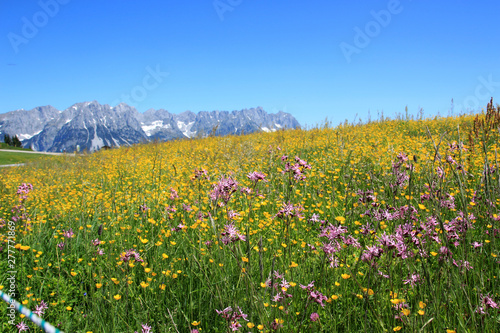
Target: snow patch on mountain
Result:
[97, 143]
[148, 129]
[186, 128]
[23, 137]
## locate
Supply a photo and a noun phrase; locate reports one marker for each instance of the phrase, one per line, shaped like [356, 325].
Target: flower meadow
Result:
[393, 225]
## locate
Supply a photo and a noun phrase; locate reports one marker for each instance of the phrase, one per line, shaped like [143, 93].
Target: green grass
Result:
[6, 146]
[14, 157]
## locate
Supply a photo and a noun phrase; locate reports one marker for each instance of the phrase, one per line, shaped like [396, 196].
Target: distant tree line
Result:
[12, 141]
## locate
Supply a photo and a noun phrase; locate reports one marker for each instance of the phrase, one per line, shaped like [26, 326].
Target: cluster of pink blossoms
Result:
[223, 190]
[297, 169]
[131, 254]
[145, 329]
[232, 317]
[231, 234]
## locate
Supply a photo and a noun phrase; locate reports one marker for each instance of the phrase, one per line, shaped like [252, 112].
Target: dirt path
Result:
[12, 165]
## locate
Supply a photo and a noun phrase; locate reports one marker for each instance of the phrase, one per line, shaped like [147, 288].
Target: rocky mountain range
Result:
[91, 126]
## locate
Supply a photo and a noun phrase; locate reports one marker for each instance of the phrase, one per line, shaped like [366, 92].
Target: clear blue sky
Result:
[315, 59]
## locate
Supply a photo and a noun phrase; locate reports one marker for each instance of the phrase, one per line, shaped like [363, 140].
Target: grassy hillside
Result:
[13, 157]
[3, 145]
[385, 226]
